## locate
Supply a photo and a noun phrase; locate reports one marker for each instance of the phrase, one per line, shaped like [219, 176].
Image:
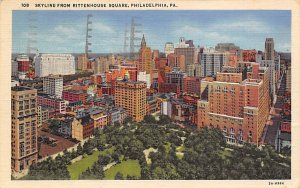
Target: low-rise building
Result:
[74, 95]
[82, 127]
[58, 105]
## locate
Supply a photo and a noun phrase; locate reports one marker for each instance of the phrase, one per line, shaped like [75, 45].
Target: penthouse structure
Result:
[46, 64]
[239, 107]
[24, 150]
[131, 96]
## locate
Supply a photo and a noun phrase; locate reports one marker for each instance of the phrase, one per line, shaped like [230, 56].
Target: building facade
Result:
[240, 108]
[169, 48]
[56, 64]
[57, 105]
[132, 97]
[211, 62]
[24, 150]
[23, 63]
[53, 85]
[269, 49]
[82, 128]
[187, 49]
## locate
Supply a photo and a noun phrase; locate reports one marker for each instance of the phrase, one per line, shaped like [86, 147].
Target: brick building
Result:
[240, 108]
[132, 97]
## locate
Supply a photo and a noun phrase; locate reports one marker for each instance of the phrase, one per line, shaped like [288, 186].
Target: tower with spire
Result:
[143, 42]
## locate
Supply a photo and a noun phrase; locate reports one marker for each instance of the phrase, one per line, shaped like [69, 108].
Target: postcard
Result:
[155, 94]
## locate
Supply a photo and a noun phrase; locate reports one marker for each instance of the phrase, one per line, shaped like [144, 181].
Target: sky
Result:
[63, 31]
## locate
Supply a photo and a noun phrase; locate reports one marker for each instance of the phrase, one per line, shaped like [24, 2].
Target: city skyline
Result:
[67, 29]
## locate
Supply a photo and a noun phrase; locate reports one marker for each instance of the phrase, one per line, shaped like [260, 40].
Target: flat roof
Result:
[21, 88]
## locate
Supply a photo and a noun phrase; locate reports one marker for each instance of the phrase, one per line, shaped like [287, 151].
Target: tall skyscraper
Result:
[131, 96]
[53, 85]
[24, 150]
[187, 49]
[145, 58]
[46, 64]
[269, 49]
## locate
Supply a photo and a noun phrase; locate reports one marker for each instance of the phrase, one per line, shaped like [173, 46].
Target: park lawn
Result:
[129, 167]
[78, 167]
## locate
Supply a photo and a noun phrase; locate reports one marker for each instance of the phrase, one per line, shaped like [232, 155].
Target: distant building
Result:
[23, 63]
[187, 49]
[226, 47]
[269, 49]
[176, 77]
[14, 68]
[249, 55]
[145, 63]
[288, 78]
[144, 77]
[132, 97]
[24, 149]
[191, 85]
[169, 88]
[56, 64]
[101, 65]
[169, 48]
[53, 85]
[193, 70]
[211, 62]
[82, 62]
[176, 61]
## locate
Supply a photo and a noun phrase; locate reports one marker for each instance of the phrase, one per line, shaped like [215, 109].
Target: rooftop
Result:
[21, 88]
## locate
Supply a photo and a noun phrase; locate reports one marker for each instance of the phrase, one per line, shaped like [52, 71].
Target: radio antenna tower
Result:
[125, 41]
[88, 35]
[133, 37]
[32, 33]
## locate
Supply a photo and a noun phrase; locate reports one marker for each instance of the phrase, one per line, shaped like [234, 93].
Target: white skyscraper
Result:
[55, 64]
